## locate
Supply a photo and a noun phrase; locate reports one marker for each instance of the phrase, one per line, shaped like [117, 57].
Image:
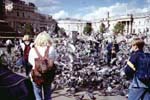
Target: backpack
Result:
[143, 70]
[44, 71]
[26, 51]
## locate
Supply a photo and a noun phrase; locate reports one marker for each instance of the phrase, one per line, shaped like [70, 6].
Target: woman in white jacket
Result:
[42, 41]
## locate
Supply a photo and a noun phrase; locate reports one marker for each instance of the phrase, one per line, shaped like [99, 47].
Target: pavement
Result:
[62, 95]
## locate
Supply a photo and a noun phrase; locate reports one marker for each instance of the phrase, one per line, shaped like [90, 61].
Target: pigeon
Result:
[79, 97]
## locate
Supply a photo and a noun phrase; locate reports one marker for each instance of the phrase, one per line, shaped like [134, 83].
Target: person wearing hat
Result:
[26, 45]
[26, 40]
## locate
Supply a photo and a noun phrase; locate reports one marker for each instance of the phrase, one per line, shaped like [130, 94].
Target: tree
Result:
[88, 29]
[56, 29]
[102, 28]
[119, 28]
[28, 29]
[61, 32]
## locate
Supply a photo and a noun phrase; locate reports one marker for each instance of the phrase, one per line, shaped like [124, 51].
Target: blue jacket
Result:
[132, 64]
[131, 69]
[137, 90]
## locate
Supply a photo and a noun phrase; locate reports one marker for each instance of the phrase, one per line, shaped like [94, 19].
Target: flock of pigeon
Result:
[81, 66]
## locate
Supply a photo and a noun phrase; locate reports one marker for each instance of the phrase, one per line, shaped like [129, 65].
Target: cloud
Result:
[114, 10]
[60, 14]
[47, 10]
[46, 6]
[92, 12]
[101, 12]
[43, 3]
[148, 1]
[87, 9]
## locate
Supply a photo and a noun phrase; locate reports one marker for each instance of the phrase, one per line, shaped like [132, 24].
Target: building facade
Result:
[141, 23]
[134, 23]
[20, 14]
[70, 24]
[2, 10]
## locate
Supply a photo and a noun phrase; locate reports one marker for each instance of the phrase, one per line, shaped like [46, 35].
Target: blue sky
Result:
[90, 9]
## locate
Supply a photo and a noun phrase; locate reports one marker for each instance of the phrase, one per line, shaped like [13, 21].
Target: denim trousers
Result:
[27, 66]
[138, 94]
[138, 90]
[42, 92]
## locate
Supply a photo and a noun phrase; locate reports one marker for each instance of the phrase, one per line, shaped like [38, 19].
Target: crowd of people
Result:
[34, 74]
[78, 64]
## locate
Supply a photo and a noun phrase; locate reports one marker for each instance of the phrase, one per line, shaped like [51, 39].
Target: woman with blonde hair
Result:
[42, 43]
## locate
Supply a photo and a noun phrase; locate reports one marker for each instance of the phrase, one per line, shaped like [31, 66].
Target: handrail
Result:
[6, 37]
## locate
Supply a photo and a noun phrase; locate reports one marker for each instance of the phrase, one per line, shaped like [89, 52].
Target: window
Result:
[18, 14]
[139, 22]
[23, 14]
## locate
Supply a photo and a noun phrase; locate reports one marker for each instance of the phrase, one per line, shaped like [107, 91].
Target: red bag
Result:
[44, 71]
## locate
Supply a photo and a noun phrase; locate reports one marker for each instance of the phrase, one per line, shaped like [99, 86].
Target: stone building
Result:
[134, 23]
[2, 10]
[70, 24]
[5, 29]
[141, 23]
[21, 15]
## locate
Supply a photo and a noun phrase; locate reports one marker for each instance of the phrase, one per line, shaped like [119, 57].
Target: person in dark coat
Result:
[8, 46]
[112, 49]
[14, 86]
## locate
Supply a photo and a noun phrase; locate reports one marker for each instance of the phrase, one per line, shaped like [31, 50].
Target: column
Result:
[127, 26]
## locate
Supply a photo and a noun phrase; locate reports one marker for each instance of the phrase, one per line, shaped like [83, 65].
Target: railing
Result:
[7, 37]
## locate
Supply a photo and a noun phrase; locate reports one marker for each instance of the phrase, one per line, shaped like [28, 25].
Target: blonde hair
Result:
[43, 39]
[26, 38]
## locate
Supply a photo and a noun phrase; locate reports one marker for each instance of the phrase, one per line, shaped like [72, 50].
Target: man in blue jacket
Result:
[138, 90]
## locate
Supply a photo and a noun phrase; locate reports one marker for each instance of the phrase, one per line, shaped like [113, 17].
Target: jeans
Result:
[138, 90]
[42, 92]
[138, 94]
[27, 66]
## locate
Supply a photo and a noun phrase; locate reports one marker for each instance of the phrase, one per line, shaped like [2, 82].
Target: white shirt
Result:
[23, 45]
[33, 54]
